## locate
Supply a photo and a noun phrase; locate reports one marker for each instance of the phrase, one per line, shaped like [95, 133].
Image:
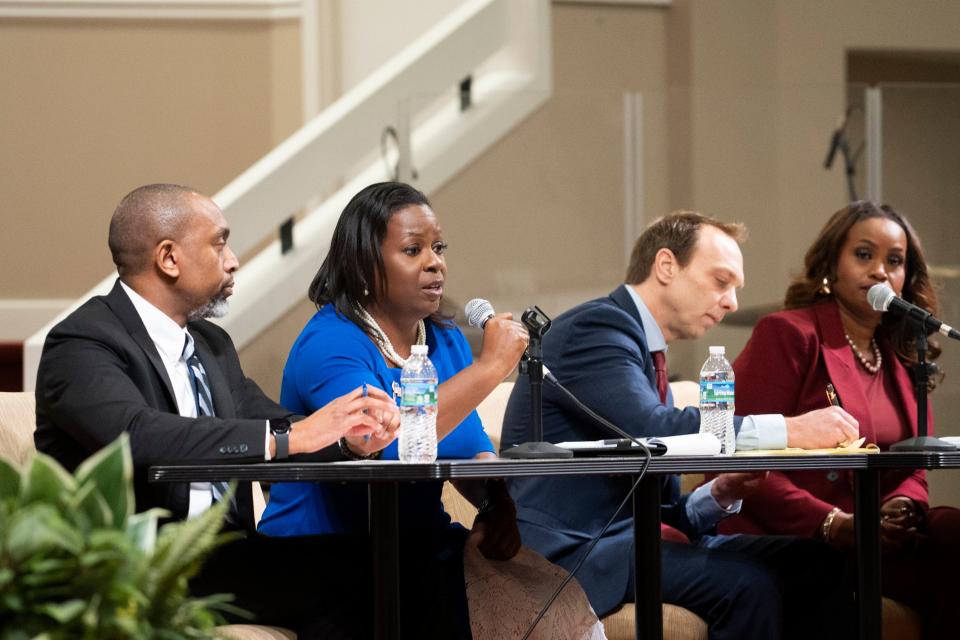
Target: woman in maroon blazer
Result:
[830, 334]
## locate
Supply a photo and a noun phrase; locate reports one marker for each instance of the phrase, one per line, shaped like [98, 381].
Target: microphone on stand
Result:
[478, 312]
[882, 298]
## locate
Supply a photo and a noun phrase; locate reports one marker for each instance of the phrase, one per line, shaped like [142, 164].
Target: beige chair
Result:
[678, 623]
[17, 424]
[18, 421]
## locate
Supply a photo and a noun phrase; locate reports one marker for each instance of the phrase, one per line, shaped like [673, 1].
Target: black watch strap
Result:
[280, 429]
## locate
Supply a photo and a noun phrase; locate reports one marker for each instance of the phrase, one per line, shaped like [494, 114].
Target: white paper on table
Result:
[694, 444]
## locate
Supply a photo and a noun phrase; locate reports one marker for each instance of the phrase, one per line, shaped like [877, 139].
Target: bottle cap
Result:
[421, 350]
[718, 351]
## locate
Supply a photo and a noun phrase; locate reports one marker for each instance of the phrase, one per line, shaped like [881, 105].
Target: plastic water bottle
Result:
[716, 399]
[418, 408]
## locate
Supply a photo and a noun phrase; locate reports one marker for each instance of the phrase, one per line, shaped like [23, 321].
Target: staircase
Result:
[421, 118]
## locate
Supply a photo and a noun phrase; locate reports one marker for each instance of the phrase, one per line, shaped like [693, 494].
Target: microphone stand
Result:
[531, 365]
[922, 442]
[850, 167]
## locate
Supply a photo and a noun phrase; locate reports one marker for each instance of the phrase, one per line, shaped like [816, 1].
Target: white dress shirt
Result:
[170, 338]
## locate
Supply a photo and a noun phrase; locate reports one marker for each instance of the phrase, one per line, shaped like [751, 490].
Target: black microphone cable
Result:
[593, 543]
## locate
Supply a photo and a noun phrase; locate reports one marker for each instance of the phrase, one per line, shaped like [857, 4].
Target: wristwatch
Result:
[280, 429]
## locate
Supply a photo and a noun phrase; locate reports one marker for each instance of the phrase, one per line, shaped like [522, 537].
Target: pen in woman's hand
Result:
[366, 438]
[832, 395]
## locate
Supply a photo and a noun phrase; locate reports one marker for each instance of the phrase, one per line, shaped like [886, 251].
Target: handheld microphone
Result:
[882, 298]
[478, 311]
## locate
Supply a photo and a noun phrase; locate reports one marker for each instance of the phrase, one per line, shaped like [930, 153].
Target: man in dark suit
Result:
[681, 281]
[143, 360]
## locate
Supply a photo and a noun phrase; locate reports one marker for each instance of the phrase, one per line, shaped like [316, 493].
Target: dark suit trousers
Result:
[762, 587]
[321, 586]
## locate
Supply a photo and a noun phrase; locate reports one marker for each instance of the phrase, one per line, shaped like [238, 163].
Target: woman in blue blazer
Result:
[379, 291]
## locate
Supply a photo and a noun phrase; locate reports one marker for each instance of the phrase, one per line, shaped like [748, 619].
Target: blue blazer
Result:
[331, 357]
[597, 350]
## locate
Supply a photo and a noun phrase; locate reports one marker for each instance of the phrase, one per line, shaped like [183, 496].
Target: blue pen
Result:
[367, 437]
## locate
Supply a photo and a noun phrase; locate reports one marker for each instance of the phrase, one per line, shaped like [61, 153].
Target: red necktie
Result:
[660, 366]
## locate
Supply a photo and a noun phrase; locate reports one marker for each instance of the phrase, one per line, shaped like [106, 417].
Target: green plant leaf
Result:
[46, 481]
[90, 508]
[9, 480]
[180, 547]
[74, 564]
[63, 612]
[111, 471]
[40, 529]
[142, 528]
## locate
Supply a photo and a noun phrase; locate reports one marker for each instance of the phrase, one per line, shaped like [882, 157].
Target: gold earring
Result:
[825, 287]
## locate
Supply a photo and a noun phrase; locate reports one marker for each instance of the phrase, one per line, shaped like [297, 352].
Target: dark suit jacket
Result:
[100, 375]
[785, 368]
[599, 352]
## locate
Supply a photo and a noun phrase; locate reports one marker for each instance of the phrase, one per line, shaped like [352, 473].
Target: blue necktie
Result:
[201, 394]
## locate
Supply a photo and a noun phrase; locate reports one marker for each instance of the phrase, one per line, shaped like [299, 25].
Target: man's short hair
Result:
[146, 216]
[677, 231]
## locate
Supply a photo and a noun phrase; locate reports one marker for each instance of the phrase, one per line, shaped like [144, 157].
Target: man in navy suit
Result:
[682, 280]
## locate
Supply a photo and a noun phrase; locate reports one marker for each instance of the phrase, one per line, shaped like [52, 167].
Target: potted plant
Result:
[77, 562]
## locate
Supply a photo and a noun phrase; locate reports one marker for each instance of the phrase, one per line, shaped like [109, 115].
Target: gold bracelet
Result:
[828, 523]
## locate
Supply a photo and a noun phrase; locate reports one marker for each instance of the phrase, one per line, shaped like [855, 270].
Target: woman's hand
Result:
[899, 519]
[495, 529]
[842, 533]
[352, 415]
[504, 341]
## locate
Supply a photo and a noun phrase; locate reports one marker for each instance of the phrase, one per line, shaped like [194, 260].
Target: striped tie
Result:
[201, 393]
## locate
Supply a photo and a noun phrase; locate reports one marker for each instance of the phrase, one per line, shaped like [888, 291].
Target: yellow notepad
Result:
[857, 446]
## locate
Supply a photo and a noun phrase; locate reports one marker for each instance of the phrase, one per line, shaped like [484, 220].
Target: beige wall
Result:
[92, 108]
[739, 100]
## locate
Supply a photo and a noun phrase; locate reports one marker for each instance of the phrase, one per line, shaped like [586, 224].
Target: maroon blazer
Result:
[785, 368]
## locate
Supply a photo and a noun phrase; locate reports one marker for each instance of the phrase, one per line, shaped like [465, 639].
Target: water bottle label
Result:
[716, 392]
[416, 394]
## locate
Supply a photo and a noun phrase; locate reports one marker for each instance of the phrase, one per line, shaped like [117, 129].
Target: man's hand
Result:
[727, 488]
[504, 341]
[822, 429]
[353, 415]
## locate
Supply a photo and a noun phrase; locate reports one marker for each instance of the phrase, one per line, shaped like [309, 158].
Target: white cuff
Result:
[763, 431]
[266, 442]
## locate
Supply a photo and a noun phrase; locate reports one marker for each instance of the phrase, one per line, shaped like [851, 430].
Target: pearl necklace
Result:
[383, 342]
[871, 367]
